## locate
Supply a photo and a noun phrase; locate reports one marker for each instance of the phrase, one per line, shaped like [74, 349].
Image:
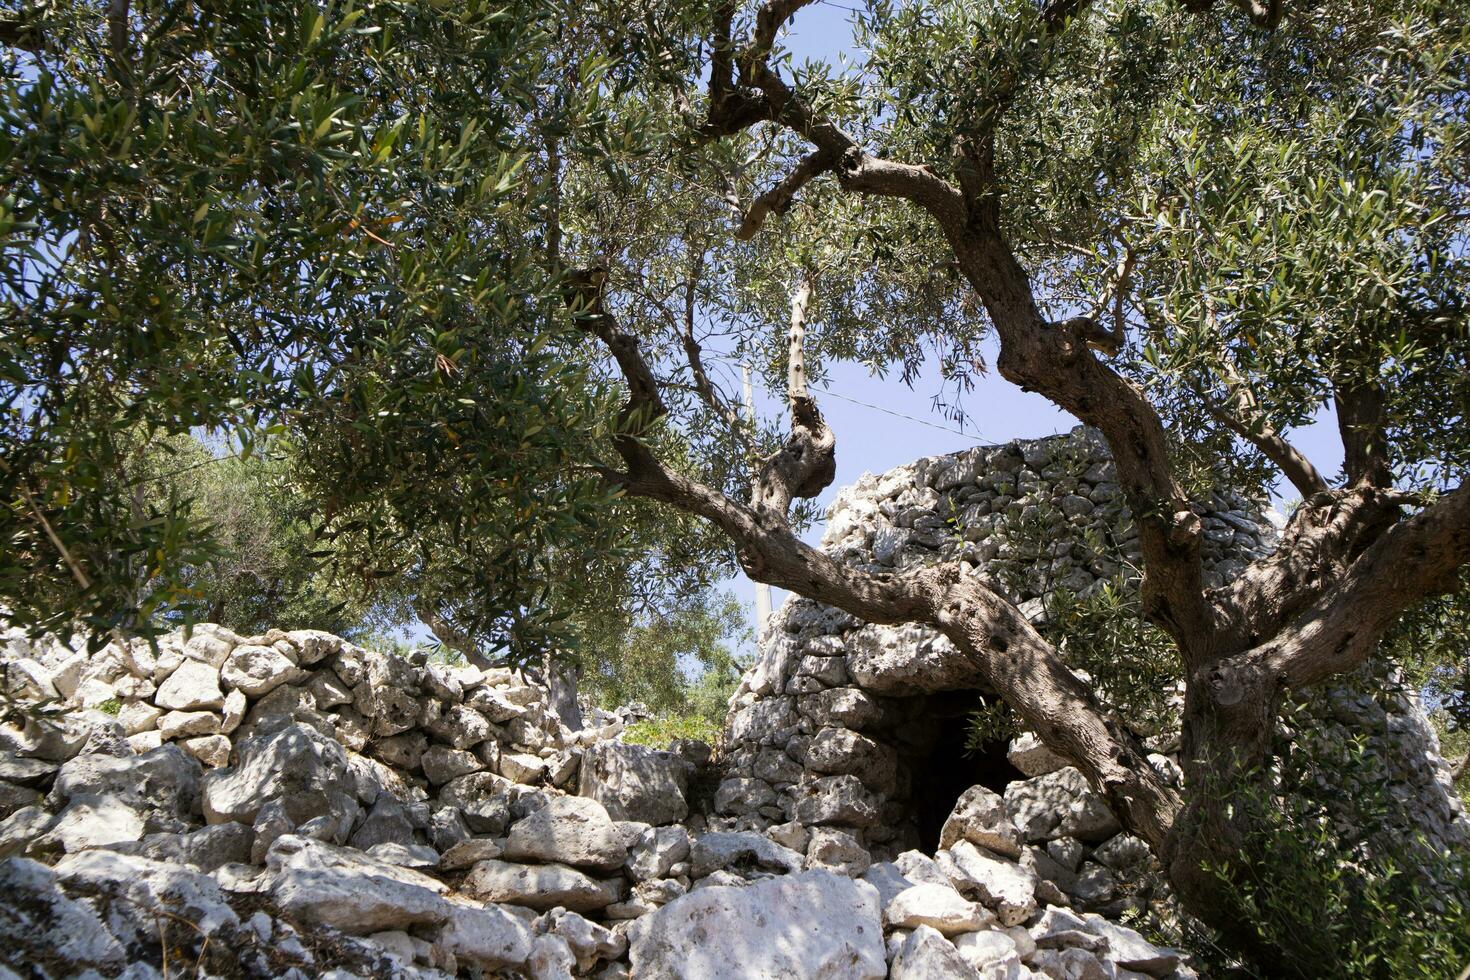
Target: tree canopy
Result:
[476, 262]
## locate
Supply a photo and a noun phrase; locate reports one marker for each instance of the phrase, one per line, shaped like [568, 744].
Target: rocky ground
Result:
[291, 805]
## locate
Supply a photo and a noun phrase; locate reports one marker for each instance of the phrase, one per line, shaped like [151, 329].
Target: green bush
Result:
[1334, 889]
[659, 732]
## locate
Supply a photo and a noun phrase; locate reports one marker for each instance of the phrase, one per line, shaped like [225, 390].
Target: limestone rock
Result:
[568, 830]
[540, 886]
[815, 925]
[719, 850]
[635, 782]
[94, 821]
[656, 851]
[14, 798]
[927, 955]
[258, 670]
[936, 906]
[990, 951]
[299, 767]
[907, 659]
[485, 937]
[194, 686]
[25, 825]
[1069, 964]
[837, 850]
[1003, 886]
[1060, 929]
[1027, 754]
[355, 902]
[387, 694]
[1038, 806]
[163, 785]
[146, 884]
[836, 799]
[740, 795]
[441, 764]
[837, 750]
[588, 941]
[1130, 950]
[386, 823]
[205, 849]
[980, 817]
[211, 750]
[482, 799]
[40, 924]
[469, 852]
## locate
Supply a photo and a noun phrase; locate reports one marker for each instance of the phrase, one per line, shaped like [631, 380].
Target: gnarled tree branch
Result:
[1414, 559]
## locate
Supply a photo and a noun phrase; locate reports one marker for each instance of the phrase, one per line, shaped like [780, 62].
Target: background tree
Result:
[305, 220]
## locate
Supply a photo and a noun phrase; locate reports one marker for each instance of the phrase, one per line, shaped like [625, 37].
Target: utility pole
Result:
[762, 590]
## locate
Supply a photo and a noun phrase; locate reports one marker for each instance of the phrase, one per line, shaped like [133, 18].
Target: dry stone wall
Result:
[292, 805]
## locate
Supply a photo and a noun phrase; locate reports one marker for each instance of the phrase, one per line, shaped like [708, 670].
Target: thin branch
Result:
[807, 463]
[71, 563]
[778, 199]
[772, 16]
[703, 386]
[1286, 457]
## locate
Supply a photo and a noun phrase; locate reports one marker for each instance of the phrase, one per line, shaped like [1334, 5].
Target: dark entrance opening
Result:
[943, 771]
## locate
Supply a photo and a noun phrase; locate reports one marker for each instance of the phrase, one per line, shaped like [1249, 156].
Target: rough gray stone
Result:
[206, 848]
[485, 937]
[163, 785]
[937, 906]
[40, 924]
[980, 817]
[568, 830]
[635, 782]
[717, 851]
[302, 769]
[258, 670]
[816, 925]
[927, 955]
[1002, 885]
[540, 886]
[194, 686]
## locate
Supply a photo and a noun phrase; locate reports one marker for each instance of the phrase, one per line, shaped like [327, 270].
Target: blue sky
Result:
[870, 440]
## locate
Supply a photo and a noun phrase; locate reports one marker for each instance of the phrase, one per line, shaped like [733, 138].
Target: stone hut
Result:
[861, 730]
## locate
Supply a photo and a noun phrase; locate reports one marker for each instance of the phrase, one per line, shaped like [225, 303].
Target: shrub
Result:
[1356, 901]
[659, 732]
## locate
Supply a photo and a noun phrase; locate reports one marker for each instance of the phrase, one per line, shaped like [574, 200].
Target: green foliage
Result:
[1317, 884]
[677, 663]
[659, 732]
[267, 571]
[304, 220]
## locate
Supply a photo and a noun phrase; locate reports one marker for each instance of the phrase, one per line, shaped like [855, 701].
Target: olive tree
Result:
[1188, 228]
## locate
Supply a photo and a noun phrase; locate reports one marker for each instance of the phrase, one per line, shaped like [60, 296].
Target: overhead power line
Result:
[977, 436]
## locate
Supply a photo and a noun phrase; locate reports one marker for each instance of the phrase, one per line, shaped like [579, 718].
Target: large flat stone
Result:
[816, 926]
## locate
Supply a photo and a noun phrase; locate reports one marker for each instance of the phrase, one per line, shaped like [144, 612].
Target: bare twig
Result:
[71, 562]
